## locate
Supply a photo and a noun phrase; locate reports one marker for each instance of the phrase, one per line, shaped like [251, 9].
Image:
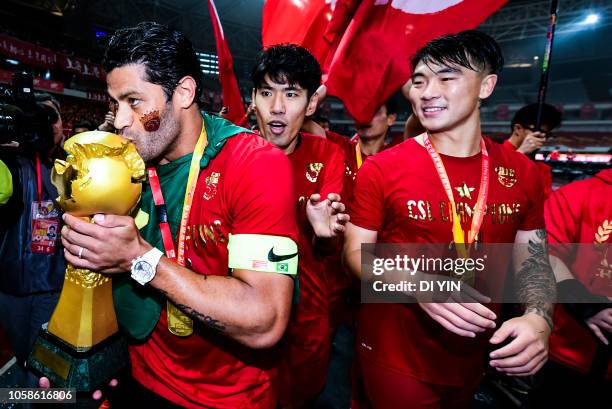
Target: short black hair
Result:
[470, 49]
[83, 124]
[391, 105]
[166, 54]
[287, 63]
[526, 116]
[44, 97]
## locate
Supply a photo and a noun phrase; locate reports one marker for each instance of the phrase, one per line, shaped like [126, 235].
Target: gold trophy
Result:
[81, 347]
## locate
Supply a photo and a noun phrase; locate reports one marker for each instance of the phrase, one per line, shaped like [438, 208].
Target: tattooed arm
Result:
[535, 284]
[249, 306]
[535, 281]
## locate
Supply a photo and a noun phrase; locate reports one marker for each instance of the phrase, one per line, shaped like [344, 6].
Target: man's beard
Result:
[154, 145]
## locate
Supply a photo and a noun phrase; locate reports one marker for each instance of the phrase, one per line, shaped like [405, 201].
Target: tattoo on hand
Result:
[536, 281]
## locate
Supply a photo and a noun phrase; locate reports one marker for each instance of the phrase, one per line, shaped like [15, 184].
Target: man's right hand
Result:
[532, 142]
[463, 319]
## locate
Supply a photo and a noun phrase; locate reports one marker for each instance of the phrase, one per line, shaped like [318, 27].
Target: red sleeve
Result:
[509, 145]
[368, 206]
[332, 175]
[261, 200]
[562, 214]
[546, 177]
[534, 214]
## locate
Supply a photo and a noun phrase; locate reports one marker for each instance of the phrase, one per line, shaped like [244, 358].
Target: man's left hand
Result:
[326, 217]
[106, 246]
[527, 352]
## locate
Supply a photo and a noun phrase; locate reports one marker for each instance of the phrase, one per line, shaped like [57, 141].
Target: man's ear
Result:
[253, 92]
[518, 129]
[185, 92]
[311, 108]
[487, 86]
[391, 119]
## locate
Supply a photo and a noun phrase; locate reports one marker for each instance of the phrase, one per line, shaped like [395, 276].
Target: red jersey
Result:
[579, 213]
[348, 148]
[233, 195]
[338, 278]
[398, 193]
[317, 167]
[544, 171]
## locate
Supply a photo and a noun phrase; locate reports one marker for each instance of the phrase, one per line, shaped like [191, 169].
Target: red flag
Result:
[232, 99]
[343, 12]
[372, 60]
[301, 22]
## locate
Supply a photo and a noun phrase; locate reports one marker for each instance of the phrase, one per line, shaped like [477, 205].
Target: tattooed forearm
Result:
[197, 316]
[203, 318]
[535, 280]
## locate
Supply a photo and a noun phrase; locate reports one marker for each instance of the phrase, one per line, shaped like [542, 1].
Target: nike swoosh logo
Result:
[275, 258]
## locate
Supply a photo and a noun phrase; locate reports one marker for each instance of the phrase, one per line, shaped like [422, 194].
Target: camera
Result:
[22, 119]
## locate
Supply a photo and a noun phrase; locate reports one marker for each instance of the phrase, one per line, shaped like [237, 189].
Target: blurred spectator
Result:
[323, 121]
[108, 124]
[31, 259]
[526, 139]
[58, 127]
[82, 126]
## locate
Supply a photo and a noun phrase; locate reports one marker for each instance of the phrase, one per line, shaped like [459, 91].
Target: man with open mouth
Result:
[286, 78]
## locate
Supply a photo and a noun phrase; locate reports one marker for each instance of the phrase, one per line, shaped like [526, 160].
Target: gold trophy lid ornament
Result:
[102, 174]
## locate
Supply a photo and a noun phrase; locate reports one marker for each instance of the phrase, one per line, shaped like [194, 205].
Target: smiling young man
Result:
[206, 322]
[434, 189]
[286, 78]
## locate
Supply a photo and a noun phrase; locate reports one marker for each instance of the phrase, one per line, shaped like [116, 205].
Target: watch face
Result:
[142, 268]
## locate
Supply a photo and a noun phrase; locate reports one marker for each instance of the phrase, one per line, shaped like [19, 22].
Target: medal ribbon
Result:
[483, 191]
[178, 323]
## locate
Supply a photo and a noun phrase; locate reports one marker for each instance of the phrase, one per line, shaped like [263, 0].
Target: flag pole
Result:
[544, 78]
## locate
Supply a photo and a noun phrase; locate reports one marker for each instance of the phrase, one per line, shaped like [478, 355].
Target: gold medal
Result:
[179, 324]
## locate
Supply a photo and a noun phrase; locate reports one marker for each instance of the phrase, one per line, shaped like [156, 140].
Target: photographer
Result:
[31, 261]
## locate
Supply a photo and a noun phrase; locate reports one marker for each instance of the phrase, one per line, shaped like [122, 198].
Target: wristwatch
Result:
[145, 266]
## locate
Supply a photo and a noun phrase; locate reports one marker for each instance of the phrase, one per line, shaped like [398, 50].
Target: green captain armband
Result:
[259, 252]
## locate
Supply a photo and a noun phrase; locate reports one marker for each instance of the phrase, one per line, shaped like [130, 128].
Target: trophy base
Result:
[84, 369]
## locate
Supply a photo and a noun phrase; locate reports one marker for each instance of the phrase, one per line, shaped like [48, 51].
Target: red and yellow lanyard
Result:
[178, 323]
[483, 191]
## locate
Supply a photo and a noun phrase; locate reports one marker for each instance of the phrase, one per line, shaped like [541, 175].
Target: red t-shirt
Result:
[398, 193]
[544, 171]
[246, 188]
[579, 213]
[348, 148]
[338, 278]
[317, 167]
